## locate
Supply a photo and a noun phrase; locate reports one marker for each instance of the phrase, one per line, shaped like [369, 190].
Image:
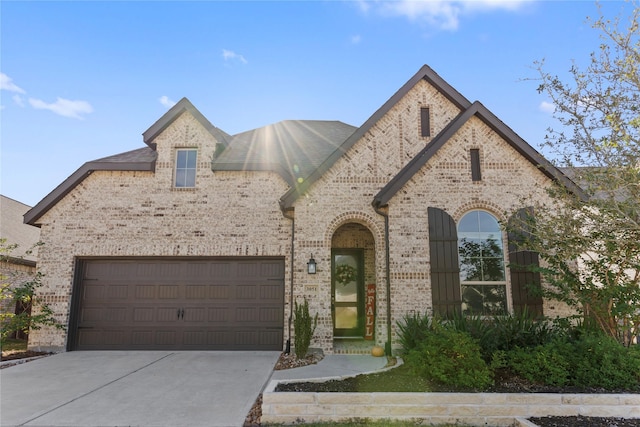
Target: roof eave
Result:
[173, 113]
[476, 109]
[425, 73]
[76, 178]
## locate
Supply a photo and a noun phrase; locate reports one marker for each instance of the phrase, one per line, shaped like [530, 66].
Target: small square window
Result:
[186, 163]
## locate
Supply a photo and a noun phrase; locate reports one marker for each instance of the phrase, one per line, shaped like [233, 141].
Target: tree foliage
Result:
[590, 243]
[31, 312]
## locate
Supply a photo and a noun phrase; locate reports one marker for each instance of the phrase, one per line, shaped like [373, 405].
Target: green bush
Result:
[545, 364]
[450, 358]
[598, 360]
[304, 327]
[589, 361]
[503, 333]
[412, 330]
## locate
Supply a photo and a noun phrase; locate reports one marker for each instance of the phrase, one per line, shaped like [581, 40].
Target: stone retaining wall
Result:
[477, 409]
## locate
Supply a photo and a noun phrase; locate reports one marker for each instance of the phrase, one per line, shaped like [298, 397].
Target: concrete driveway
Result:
[134, 388]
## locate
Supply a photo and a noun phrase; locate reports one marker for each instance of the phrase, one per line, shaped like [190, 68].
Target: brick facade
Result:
[237, 213]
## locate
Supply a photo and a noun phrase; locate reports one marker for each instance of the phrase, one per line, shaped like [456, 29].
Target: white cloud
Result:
[6, 83]
[356, 39]
[230, 55]
[64, 107]
[164, 100]
[441, 14]
[547, 107]
[18, 100]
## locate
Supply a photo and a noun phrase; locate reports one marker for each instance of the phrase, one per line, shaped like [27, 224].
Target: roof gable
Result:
[174, 112]
[142, 159]
[476, 109]
[425, 73]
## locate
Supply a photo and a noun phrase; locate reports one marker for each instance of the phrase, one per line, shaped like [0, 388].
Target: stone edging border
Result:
[480, 409]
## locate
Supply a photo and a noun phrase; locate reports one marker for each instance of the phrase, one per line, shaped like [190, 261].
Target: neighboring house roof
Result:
[17, 232]
[174, 112]
[293, 148]
[480, 111]
[425, 73]
[142, 159]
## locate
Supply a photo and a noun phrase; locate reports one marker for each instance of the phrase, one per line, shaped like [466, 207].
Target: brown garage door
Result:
[166, 304]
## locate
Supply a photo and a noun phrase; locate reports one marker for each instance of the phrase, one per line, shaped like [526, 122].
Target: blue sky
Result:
[83, 80]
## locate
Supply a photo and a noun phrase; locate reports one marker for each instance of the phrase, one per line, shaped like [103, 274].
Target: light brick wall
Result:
[237, 213]
[140, 214]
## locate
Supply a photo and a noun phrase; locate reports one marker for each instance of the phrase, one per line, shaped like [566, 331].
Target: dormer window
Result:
[185, 173]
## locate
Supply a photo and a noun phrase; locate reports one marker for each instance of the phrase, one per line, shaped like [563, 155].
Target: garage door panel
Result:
[204, 304]
[219, 292]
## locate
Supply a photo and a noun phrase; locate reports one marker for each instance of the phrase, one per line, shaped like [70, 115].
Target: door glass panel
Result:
[346, 317]
[347, 292]
[346, 278]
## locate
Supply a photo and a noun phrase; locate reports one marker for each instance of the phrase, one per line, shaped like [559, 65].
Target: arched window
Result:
[482, 272]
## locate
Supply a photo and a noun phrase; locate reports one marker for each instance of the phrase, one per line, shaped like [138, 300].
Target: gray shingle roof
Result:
[16, 232]
[293, 148]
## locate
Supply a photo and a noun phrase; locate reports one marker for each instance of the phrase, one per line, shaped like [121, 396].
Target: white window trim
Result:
[175, 168]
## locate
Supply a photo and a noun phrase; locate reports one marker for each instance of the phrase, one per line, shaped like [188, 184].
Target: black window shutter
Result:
[525, 284]
[445, 270]
[476, 175]
[425, 125]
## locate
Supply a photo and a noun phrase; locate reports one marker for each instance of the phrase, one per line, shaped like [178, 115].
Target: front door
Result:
[347, 287]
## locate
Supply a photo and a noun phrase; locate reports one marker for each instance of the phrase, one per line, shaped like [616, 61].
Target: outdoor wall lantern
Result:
[311, 265]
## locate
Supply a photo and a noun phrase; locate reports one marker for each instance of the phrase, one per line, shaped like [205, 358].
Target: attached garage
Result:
[178, 304]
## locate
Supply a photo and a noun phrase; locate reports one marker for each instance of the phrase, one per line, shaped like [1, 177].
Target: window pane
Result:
[471, 270]
[190, 178]
[481, 258]
[186, 166]
[484, 299]
[191, 159]
[181, 160]
[487, 222]
[492, 270]
[181, 179]
[469, 222]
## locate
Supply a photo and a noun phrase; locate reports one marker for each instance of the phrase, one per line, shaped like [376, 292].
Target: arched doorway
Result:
[353, 271]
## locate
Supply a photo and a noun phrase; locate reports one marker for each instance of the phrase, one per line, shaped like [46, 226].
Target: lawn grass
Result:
[13, 345]
[399, 379]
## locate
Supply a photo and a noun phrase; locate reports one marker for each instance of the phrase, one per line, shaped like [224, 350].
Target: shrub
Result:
[32, 312]
[304, 327]
[544, 364]
[505, 332]
[589, 361]
[450, 358]
[412, 330]
[601, 361]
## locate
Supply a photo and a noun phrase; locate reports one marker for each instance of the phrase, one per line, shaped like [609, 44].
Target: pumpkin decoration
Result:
[377, 351]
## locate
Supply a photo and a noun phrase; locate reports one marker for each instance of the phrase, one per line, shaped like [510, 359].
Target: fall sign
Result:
[370, 312]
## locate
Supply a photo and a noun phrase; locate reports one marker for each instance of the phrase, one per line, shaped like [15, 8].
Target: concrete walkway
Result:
[333, 366]
[144, 388]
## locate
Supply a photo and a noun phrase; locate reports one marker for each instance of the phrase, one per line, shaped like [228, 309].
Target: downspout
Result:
[376, 207]
[293, 233]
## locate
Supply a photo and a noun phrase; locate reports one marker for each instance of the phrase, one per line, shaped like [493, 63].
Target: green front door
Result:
[347, 288]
